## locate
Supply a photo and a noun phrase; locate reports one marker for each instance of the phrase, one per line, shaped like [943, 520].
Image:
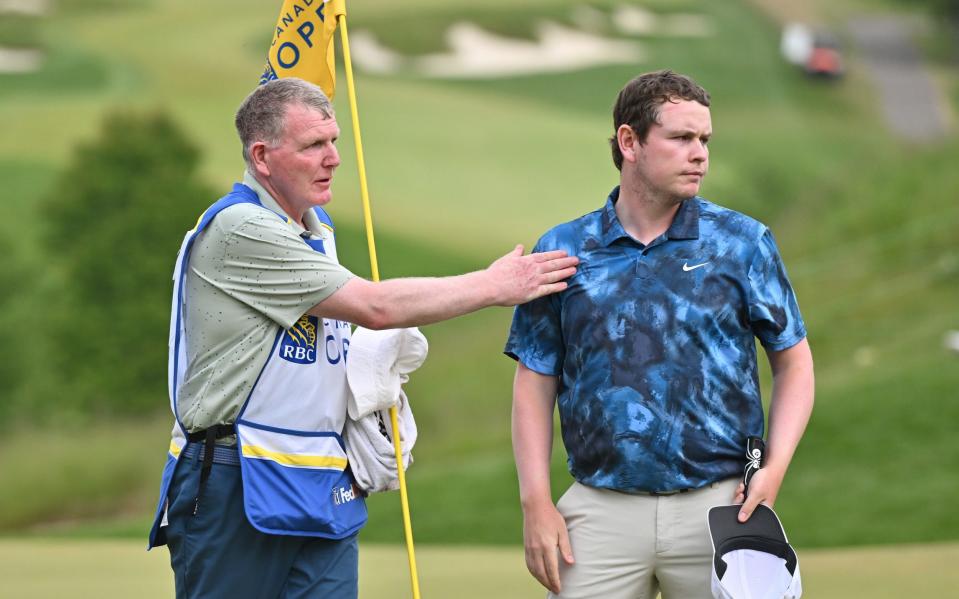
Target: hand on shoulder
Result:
[517, 279]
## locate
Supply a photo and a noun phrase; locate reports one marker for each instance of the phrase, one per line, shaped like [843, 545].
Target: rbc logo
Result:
[299, 341]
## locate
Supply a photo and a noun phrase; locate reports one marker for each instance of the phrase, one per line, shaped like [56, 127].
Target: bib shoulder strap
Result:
[240, 194]
[324, 217]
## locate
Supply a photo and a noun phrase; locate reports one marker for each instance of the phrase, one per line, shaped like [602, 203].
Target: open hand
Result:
[518, 279]
[544, 537]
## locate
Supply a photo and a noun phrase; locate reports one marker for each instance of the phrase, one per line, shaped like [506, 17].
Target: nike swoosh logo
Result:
[687, 267]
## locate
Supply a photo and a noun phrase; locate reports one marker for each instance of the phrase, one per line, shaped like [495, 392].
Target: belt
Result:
[209, 437]
[659, 493]
[668, 493]
[222, 454]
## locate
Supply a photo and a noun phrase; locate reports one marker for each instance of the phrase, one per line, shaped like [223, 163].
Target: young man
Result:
[257, 498]
[650, 352]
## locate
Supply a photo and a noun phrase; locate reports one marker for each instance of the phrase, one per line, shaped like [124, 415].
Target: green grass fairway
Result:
[460, 171]
[105, 569]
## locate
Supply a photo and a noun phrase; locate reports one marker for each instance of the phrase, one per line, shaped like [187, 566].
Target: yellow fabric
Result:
[303, 43]
[292, 459]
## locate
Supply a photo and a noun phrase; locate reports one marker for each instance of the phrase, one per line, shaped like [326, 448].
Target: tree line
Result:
[109, 232]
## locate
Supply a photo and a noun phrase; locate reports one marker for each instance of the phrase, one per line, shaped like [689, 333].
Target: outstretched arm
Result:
[513, 279]
[544, 529]
[789, 411]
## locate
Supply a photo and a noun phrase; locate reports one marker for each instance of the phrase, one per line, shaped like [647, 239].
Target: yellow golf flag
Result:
[303, 43]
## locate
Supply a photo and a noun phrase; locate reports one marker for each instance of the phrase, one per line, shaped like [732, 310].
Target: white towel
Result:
[369, 447]
[379, 363]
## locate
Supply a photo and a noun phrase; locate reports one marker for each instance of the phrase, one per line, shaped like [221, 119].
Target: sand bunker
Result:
[22, 60]
[25, 7]
[476, 53]
[18, 60]
[638, 21]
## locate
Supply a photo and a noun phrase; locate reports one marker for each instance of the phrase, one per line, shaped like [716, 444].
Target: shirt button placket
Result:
[643, 268]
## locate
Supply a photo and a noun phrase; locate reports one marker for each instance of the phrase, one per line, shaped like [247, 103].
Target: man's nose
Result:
[333, 158]
[699, 151]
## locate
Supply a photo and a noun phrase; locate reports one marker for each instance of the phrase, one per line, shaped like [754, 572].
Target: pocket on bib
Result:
[297, 483]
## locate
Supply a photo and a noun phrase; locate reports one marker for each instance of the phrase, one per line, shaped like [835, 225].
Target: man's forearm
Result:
[544, 528]
[791, 404]
[533, 402]
[419, 301]
[789, 411]
[511, 280]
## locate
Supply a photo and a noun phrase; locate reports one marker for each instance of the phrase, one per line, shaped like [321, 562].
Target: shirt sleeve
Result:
[256, 259]
[773, 310]
[536, 335]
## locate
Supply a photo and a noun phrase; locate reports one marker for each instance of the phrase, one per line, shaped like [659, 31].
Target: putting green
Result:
[105, 569]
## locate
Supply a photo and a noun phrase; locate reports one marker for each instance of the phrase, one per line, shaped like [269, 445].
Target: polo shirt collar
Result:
[312, 222]
[612, 228]
[685, 224]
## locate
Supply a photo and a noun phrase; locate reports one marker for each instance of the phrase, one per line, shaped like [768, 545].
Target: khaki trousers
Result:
[636, 546]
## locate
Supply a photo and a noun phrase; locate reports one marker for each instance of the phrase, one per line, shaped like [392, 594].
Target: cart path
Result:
[912, 104]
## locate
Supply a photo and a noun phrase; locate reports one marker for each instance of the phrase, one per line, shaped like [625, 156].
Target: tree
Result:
[114, 223]
[11, 355]
[948, 8]
[945, 8]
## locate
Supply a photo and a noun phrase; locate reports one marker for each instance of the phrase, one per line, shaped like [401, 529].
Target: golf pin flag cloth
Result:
[752, 559]
[303, 43]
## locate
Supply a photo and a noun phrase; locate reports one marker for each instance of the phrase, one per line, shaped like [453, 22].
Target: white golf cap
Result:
[752, 559]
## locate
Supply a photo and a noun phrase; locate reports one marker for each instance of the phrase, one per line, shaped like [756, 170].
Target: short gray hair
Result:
[262, 115]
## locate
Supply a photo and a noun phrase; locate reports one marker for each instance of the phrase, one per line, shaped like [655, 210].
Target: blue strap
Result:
[316, 244]
[240, 194]
[324, 217]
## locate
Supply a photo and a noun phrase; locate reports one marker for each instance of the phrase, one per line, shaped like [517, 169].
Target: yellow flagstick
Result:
[368, 218]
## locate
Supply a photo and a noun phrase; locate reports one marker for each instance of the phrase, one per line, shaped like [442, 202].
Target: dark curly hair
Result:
[639, 101]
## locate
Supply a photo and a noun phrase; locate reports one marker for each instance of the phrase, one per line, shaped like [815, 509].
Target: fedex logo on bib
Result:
[299, 341]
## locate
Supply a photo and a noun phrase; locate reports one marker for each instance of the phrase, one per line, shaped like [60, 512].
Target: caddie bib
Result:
[293, 461]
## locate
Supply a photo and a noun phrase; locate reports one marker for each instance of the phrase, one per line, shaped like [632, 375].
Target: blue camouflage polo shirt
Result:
[654, 345]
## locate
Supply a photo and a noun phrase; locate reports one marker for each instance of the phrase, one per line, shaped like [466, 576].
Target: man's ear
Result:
[257, 154]
[628, 143]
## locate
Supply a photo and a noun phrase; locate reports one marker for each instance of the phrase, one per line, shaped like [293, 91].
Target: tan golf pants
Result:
[636, 546]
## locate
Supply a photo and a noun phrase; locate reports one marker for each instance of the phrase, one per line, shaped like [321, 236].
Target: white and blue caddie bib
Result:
[292, 457]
